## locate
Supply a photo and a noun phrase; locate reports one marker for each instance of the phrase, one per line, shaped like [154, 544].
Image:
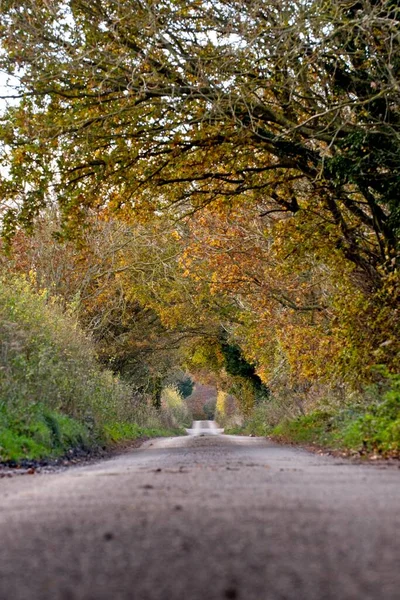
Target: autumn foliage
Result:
[223, 185]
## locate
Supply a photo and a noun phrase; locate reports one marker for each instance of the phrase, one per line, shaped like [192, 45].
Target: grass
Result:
[122, 432]
[50, 435]
[54, 395]
[46, 434]
[374, 429]
[369, 428]
[315, 428]
[252, 426]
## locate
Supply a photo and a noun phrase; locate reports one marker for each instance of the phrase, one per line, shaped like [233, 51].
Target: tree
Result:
[96, 280]
[185, 385]
[298, 300]
[146, 106]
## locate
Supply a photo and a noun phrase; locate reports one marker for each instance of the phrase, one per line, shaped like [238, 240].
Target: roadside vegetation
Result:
[55, 396]
[369, 426]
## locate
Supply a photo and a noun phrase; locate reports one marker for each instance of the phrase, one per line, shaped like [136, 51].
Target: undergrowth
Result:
[370, 426]
[54, 395]
[46, 434]
[121, 432]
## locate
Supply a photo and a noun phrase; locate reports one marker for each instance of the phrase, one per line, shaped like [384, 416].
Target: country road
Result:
[203, 517]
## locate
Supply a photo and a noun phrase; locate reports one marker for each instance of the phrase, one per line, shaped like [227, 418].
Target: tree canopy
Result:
[146, 106]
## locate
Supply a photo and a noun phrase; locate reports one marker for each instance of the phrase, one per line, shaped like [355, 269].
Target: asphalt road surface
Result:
[203, 517]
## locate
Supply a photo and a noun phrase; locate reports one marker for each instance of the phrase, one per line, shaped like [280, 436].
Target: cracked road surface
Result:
[203, 517]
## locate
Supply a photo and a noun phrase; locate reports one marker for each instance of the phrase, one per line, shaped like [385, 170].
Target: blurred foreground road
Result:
[203, 517]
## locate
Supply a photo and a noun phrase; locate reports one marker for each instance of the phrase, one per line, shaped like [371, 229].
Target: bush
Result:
[120, 432]
[308, 429]
[45, 358]
[45, 434]
[377, 429]
[265, 415]
[54, 395]
[175, 407]
[227, 412]
[363, 428]
[209, 409]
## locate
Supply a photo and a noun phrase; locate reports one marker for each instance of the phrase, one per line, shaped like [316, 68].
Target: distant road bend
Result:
[203, 517]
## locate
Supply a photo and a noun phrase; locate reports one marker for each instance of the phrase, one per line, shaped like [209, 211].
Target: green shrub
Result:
[312, 428]
[120, 432]
[175, 407]
[45, 434]
[54, 395]
[45, 357]
[372, 427]
[265, 415]
[209, 408]
[255, 424]
[378, 428]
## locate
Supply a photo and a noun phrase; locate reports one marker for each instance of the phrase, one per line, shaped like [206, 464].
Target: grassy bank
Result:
[51, 435]
[368, 427]
[54, 395]
[124, 432]
[44, 434]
